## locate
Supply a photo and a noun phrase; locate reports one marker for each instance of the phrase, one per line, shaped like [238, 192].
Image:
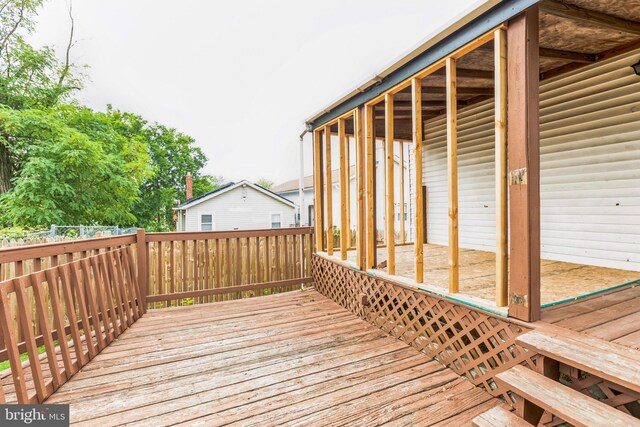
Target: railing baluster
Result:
[58, 319]
[121, 285]
[65, 272]
[82, 306]
[26, 322]
[113, 280]
[85, 268]
[10, 339]
[100, 292]
[42, 313]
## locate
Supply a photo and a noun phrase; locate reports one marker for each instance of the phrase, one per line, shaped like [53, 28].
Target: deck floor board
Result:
[289, 359]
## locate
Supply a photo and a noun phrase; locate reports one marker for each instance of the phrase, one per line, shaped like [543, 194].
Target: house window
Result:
[206, 222]
[276, 220]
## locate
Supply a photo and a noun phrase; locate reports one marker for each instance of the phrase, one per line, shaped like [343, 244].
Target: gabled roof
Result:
[293, 185]
[229, 186]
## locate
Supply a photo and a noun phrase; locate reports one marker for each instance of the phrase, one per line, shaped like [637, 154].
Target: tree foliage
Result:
[62, 163]
[265, 183]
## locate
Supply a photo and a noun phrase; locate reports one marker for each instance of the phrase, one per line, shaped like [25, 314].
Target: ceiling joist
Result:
[587, 16]
[585, 58]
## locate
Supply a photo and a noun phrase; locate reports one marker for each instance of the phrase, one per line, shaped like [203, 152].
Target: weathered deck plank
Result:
[289, 359]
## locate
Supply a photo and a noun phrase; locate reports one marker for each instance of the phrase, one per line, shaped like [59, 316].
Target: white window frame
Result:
[271, 214]
[213, 220]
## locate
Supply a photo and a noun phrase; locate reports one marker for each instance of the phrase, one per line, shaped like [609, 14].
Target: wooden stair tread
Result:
[609, 361]
[568, 404]
[499, 417]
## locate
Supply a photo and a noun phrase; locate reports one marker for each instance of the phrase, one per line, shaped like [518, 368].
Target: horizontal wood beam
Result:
[592, 17]
[465, 72]
[228, 290]
[586, 58]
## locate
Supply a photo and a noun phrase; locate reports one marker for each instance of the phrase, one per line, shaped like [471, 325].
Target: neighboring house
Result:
[235, 206]
[290, 190]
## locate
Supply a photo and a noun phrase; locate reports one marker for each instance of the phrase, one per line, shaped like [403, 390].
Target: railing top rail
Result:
[20, 253]
[205, 235]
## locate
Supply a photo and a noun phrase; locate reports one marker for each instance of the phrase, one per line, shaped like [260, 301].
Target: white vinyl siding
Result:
[590, 169]
[231, 211]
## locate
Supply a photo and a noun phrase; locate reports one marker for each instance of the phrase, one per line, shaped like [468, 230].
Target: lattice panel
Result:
[472, 343]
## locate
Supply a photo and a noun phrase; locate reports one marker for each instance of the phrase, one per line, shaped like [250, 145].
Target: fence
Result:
[60, 233]
[62, 303]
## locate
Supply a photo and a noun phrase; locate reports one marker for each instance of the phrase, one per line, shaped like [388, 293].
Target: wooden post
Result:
[360, 178]
[370, 146]
[523, 133]
[502, 225]
[318, 189]
[403, 234]
[418, 245]
[347, 225]
[329, 189]
[452, 167]
[143, 278]
[344, 173]
[389, 228]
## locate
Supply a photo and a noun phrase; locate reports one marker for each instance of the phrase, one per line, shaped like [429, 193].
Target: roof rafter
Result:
[569, 11]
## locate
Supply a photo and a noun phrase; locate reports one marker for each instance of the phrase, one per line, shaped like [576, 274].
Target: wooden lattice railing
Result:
[200, 267]
[69, 313]
[473, 343]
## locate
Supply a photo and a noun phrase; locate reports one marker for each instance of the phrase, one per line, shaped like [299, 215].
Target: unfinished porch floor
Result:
[560, 280]
[295, 358]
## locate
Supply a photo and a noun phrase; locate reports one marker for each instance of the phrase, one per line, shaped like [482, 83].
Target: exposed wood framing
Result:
[360, 179]
[452, 168]
[416, 93]
[389, 184]
[370, 147]
[585, 58]
[329, 188]
[502, 225]
[318, 193]
[523, 133]
[344, 182]
[586, 16]
[347, 225]
[403, 232]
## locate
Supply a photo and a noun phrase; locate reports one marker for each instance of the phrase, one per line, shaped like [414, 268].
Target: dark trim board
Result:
[479, 26]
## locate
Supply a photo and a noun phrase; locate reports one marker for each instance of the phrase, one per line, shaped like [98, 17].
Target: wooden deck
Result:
[612, 316]
[290, 359]
[559, 280]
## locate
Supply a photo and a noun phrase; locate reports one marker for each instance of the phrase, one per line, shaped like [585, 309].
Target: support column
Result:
[370, 147]
[418, 245]
[360, 179]
[318, 188]
[502, 224]
[403, 234]
[344, 180]
[523, 133]
[329, 189]
[389, 184]
[452, 167]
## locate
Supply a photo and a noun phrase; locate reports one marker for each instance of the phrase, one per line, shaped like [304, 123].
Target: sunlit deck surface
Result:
[612, 316]
[559, 280]
[290, 359]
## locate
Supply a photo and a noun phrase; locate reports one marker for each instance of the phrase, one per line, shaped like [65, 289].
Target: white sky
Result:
[238, 76]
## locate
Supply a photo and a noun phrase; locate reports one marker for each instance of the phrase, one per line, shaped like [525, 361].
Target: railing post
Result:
[143, 278]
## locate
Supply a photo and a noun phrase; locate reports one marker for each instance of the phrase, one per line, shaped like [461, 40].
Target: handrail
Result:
[234, 234]
[94, 300]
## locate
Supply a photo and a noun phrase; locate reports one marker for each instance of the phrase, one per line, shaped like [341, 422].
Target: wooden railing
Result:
[201, 267]
[62, 303]
[73, 310]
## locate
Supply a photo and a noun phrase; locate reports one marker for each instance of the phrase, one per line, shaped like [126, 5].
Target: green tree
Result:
[172, 155]
[76, 168]
[264, 182]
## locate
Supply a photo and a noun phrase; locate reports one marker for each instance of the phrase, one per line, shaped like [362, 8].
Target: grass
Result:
[24, 357]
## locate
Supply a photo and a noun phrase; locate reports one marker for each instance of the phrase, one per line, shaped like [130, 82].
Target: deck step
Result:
[609, 361]
[562, 401]
[499, 417]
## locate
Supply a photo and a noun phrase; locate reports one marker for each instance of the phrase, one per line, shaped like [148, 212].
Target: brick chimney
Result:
[189, 186]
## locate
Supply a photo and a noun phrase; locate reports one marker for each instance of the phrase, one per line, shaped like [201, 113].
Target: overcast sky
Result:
[238, 76]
